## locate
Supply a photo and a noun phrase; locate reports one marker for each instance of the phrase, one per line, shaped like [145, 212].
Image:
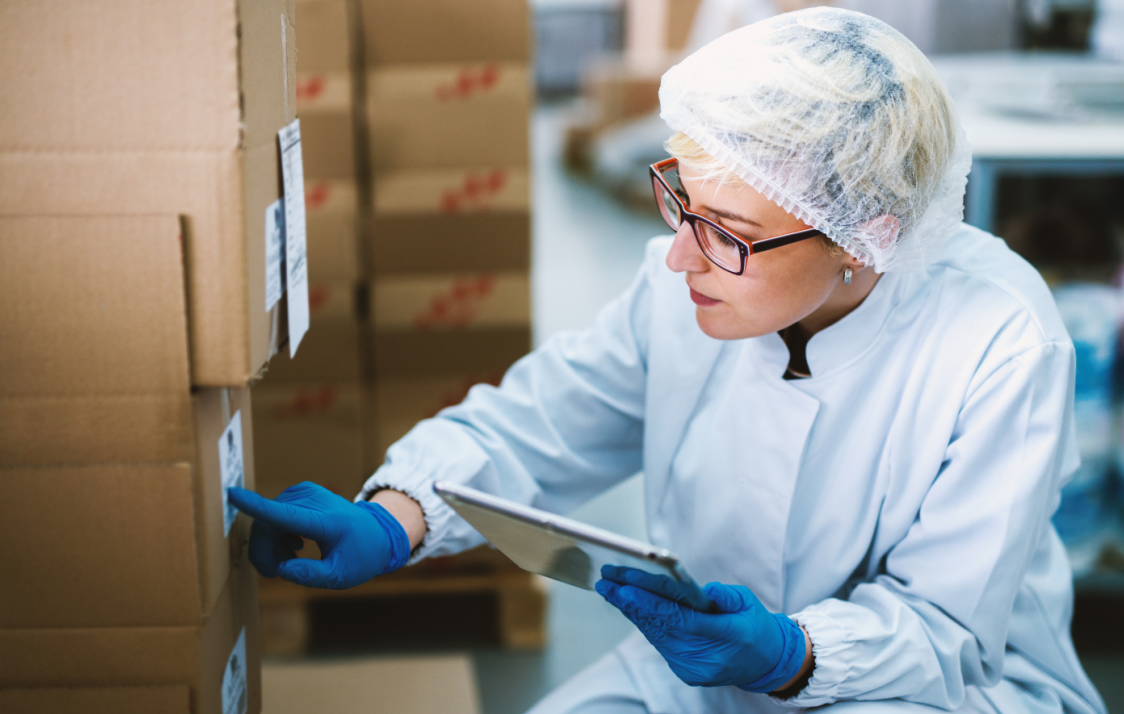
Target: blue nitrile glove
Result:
[743, 644]
[357, 540]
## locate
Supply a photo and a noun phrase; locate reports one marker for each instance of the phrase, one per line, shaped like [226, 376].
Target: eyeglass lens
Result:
[718, 247]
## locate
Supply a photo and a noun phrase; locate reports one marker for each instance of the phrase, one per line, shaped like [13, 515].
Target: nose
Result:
[685, 255]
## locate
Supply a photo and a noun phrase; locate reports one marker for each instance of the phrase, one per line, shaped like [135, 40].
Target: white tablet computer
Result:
[562, 548]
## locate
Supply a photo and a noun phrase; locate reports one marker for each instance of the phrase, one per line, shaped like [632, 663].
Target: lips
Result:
[700, 299]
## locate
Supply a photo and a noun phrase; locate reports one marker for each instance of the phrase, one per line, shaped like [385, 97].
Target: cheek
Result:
[771, 297]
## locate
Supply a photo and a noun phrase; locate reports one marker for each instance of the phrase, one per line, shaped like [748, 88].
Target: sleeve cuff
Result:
[831, 648]
[437, 513]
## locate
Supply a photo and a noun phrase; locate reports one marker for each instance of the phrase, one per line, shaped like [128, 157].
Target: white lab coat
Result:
[896, 504]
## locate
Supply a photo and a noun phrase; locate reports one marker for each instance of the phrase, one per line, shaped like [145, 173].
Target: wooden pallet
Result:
[520, 598]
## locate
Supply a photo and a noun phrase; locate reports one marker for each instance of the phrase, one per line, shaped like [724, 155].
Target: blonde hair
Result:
[699, 163]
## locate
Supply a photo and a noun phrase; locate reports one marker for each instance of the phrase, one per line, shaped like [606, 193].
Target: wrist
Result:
[399, 543]
[406, 511]
[795, 685]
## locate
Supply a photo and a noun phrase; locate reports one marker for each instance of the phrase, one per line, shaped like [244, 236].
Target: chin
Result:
[725, 328]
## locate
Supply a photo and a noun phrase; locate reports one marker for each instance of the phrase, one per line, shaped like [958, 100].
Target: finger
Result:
[303, 491]
[286, 516]
[731, 598]
[310, 573]
[661, 585]
[292, 540]
[267, 548]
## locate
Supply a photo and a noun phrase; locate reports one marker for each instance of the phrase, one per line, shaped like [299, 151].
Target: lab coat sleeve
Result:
[565, 424]
[935, 618]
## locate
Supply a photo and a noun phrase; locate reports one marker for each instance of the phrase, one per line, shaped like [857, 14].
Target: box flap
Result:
[119, 75]
[99, 546]
[94, 317]
[137, 656]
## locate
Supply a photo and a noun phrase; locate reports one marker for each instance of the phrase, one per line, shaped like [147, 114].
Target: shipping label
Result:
[274, 253]
[234, 679]
[296, 247]
[230, 464]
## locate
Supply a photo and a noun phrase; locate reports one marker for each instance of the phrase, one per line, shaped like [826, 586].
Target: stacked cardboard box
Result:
[418, 228]
[449, 95]
[307, 409]
[125, 588]
[142, 174]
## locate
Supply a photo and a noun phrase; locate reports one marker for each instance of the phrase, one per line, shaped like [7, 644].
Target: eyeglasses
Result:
[722, 247]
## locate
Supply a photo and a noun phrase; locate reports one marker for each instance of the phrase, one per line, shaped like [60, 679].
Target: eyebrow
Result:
[732, 216]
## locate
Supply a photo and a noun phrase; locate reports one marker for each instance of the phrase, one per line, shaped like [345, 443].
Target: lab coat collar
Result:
[837, 346]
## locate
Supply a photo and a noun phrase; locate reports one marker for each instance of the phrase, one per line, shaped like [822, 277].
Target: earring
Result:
[847, 276]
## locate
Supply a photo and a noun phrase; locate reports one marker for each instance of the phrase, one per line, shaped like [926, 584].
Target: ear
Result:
[883, 230]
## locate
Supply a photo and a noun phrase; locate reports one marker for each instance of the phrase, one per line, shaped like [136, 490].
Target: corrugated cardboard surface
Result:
[331, 350]
[455, 190]
[324, 41]
[94, 360]
[97, 700]
[333, 231]
[138, 107]
[109, 545]
[446, 31]
[449, 115]
[400, 685]
[141, 656]
[327, 125]
[309, 432]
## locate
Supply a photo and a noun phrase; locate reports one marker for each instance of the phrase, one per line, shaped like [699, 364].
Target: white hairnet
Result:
[837, 118]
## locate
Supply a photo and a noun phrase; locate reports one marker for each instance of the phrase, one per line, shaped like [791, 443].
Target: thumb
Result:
[731, 598]
[310, 573]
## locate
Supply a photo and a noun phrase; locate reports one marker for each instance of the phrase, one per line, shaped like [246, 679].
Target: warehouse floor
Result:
[587, 248]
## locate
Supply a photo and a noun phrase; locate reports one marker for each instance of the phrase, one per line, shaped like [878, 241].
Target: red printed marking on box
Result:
[458, 306]
[475, 191]
[469, 81]
[307, 402]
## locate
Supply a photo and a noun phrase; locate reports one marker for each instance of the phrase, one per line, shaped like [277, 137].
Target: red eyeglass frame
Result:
[746, 247]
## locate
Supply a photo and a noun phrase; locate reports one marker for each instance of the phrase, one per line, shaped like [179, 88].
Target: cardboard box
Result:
[327, 125]
[451, 219]
[442, 324]
[446, 31]
[309, 432]
[94, 360]
[442, 683]
[333, 231]
[396, 405]
[449, 115]
[113, 545]
[143, 107]
[444, 301]
[186, 670]
[96, 403]
[333, 348]
[325, 36]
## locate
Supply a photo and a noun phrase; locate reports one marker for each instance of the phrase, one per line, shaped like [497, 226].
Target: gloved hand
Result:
[357, 540]
[743, 644]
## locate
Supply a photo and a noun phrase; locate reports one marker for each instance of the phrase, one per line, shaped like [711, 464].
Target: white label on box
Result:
[274, 253]
[296, 247]
[234, 679]
[230, 464]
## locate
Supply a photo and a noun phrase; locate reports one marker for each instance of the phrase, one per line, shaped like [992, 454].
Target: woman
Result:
[848, 407]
